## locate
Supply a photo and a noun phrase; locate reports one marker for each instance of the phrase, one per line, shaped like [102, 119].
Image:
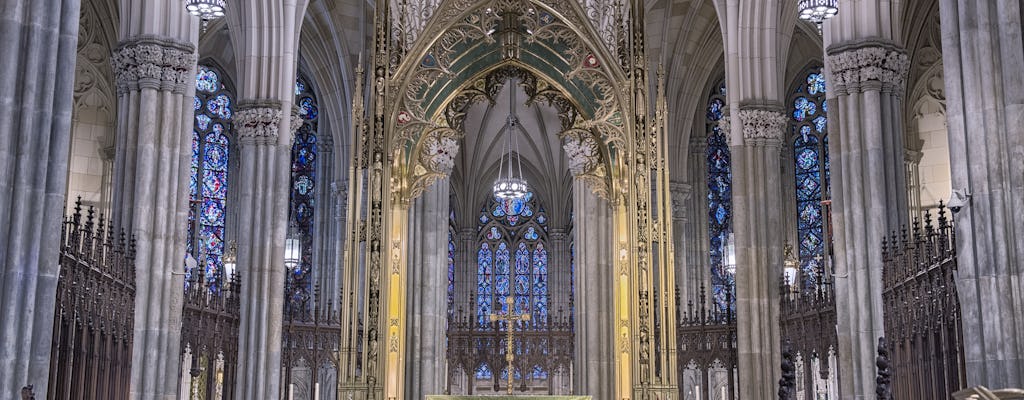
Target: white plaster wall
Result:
[88, 176]
[934, 166]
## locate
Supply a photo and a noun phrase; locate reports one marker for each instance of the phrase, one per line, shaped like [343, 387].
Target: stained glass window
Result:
[719, 169]
[451, 262]
[208, 183]
[809, 124]
[303, 189]
[512, 260]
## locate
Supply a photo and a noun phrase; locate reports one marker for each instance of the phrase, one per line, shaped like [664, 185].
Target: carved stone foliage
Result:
[609, 18]
[93, 75]
[856, 67]
[409, 18]
[439, 149]
[582, 150]
[154, 63]
[760, 124]
[258, 123]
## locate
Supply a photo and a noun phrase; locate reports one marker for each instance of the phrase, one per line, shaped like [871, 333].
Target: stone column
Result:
[869, 195]
[982, 62]
[323, 228]
[333, 269]
[697, 254]
[559, 287]
[756, 201]
[466, 273]
[593, 366]
[263, 180]
[37, 74]
[427, 299]
[682, 241]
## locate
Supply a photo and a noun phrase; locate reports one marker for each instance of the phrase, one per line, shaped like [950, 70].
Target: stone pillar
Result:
[263, 180]
[697, 254]
[155, 72]
[982, 62]
[466, 273]
[335, 225]
[682, 241]
[559, 287]
[324, 267]
[756, 201]
[427, 299]
[37, 75]
[869, 195]
[594, 363]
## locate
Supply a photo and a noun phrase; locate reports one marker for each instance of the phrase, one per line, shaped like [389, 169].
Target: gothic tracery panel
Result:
[809, 124]
[719, 180]
[302, 192]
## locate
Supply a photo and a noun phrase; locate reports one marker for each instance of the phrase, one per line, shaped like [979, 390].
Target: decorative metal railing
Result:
[807, 322]
[707, 349]
[91, 351]
[209, 336]
[544, 348]
[922, 311]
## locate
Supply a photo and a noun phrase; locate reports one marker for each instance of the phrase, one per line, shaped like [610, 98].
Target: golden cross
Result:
[510, 317]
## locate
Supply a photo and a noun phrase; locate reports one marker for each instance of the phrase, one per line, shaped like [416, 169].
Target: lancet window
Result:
[512, 259]
[719, 180]
[208, 184]
[302, 195]
[809, 125]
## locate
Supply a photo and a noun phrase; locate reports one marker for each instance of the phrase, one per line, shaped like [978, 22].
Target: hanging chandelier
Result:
[206, 9]
[817, 10]
[510, 184]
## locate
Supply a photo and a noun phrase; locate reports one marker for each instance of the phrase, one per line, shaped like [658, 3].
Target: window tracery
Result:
[719, 181]
[303, 191]
[809, 124]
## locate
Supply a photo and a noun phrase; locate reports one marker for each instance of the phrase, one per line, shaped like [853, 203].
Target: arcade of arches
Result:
[294, 201]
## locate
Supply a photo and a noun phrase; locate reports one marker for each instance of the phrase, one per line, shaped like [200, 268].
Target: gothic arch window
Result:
[719, 179]
[512, 261]
[302, 193]
[208, 186]
[451, 263]
[809, 124]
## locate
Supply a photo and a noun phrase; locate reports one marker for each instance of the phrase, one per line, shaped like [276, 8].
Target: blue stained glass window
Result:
[208, 180]
[809, 125]
[719, 180]
[303, 190]
[516, 231]
[451, 263]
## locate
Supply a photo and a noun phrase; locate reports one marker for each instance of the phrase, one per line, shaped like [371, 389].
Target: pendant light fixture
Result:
[510, 183]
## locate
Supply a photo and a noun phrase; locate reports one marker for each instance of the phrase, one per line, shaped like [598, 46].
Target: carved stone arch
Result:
[450, 65]
[94, 78]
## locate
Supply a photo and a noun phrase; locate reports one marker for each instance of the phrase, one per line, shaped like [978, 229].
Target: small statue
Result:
[27, 394]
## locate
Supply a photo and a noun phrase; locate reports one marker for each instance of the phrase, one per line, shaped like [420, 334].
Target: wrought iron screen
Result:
[91, 352]
[922, 312]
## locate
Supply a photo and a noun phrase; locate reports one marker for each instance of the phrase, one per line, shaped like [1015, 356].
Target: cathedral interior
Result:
[619, 199]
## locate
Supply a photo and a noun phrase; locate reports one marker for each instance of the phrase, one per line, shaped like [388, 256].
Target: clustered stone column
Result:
[36, 86]
[687, 275]
[155, 85]
[560, 289]
[982, 61]
[868, 194]
[594, 356]
[756, 201]
[263, 180]
[427, 298]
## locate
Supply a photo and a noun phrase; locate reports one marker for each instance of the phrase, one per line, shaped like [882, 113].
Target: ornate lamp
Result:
[790, 267]
[206, 9]
[510, 185]
[817, 10]
[230, 258]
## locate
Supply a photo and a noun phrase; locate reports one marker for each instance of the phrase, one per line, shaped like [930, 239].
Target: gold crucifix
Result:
[510, 317]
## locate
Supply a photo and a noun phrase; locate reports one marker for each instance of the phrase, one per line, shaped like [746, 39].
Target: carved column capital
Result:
[295, 122]
[257, 122]
[868, 65]
[762, 126]
[681, 193]
[152, 62]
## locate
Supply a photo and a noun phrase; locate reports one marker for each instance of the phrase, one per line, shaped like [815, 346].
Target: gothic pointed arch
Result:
[466, 45]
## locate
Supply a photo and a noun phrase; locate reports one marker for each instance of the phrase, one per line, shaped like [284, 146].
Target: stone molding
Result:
[761, 125]
[258, 122]
[868, 65]
[152, 62]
